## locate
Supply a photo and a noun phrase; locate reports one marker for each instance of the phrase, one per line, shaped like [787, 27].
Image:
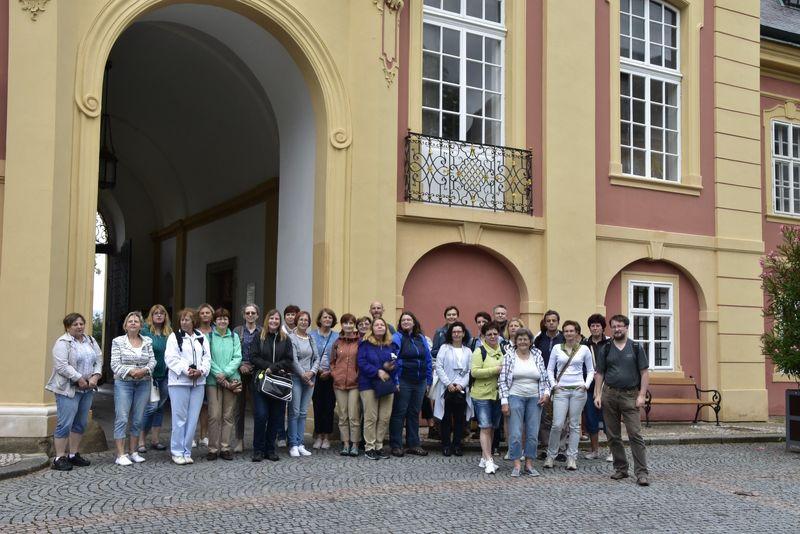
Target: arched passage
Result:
[461, 275]
[306, 107]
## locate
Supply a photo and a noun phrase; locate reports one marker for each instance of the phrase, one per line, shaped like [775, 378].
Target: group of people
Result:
[375, 377]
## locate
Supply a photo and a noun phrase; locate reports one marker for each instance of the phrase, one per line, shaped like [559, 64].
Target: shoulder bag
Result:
[276, 386]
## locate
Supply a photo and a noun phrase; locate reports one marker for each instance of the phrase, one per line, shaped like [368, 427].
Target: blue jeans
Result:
[72, 415]
[130, 399]
[268, 416]
[594, 415]
[566, 401]
[406, 407]
[154, 412]
[487, 412]
[298, 408]
[186, 402]
[524, 411]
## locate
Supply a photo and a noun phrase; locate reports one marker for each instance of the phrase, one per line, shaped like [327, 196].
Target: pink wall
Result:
[675, 212]
[533, 119]
[689, 334]
[771, 230]
[465, 276]
[3, 75]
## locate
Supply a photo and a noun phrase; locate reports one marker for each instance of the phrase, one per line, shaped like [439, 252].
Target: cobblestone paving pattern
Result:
[703, 488]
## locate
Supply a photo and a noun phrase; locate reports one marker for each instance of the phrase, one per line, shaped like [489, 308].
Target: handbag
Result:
[383, 388]
[155, 393]
[275, 386]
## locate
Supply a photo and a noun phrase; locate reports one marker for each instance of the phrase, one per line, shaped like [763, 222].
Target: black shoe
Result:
[398, 452]
[272, 457]
[619, 475]
[79, 461]
[542, 455]
[446, 451]
[417, 451]
[258, 456]
[433, 433]
[458, 451]
[226, 455]
[372, 455]
[642, 480]
[211, 456]
[383, 454]
[61, 463]
[561, 457]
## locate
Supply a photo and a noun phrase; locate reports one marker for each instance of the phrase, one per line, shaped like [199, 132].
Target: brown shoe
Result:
[211, 456]
[417, 451]
[642, 480]
[226, 455]
[398, 452]
[619, 475]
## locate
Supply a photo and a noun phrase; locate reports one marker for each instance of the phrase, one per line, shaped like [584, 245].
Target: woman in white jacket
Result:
[189, 360]
[452, 404]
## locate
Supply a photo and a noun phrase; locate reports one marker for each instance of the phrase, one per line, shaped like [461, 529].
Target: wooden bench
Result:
[655, 380]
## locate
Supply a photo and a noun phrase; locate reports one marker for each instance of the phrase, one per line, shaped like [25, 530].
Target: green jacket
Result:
[485, 372]
[226, 356]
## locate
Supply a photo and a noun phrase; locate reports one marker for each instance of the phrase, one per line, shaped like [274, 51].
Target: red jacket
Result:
[344, 362]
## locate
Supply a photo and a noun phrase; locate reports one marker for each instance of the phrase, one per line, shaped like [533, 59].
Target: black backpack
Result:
[483, 359]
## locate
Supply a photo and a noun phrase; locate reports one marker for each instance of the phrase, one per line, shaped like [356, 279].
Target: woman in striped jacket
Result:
[132, 361]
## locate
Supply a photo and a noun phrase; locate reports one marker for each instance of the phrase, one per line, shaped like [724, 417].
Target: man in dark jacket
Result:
[451, 314]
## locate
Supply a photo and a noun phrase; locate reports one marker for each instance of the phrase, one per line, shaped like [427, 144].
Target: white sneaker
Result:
[179, 460]
[188, 459]
[317, 443]
[593, 455]
[281, 443]
[204, 442]
[123, 460]
[326, 444]
[548, 463]
[294, 452]
[239, 447]
[610, 457]
[194, 443]
[136, 458]
[572, 464]
[482, 463]
[507, 456]
[303, 451]
[491, 468]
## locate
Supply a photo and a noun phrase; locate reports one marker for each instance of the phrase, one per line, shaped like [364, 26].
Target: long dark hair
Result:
[416, 329]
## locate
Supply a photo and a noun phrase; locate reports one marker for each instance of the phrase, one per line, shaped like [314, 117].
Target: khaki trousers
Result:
[377, 412]
[349, 412]
[620, 406]
[221, 417]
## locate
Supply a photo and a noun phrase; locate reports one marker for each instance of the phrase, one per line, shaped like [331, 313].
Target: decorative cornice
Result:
[34, 7]
[780, 59]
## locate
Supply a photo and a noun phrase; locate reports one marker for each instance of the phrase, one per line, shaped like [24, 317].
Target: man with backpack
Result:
[621, 381]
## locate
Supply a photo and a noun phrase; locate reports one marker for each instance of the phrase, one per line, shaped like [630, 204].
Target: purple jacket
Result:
[370, 359]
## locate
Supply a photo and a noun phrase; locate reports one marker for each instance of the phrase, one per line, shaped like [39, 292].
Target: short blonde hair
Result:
[136, 314]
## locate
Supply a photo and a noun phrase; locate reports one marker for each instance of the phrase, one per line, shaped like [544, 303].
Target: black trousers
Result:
[324, 401]
[455, 413]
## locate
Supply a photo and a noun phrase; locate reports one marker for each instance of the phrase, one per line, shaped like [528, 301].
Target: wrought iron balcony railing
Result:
[456, 173]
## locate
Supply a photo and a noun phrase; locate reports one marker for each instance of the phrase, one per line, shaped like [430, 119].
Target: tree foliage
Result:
[781, 283]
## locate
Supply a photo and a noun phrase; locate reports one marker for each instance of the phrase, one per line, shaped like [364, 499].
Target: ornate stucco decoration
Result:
[34, 7]
[390, 37]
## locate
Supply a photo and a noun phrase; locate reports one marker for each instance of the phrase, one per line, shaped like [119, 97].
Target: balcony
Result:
[469, 175]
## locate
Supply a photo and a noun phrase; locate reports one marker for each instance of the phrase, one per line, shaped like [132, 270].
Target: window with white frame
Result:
[462, 70]
[650, 81]
[650, 306]
[786, 167]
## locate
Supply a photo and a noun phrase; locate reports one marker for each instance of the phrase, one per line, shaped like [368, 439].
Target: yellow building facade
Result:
[323, 96]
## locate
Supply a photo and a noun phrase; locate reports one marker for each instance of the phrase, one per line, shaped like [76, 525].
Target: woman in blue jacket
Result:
[377, 383]
[415, 373]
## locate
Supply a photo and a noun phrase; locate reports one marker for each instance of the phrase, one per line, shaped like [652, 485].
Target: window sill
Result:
[783, 219]
[666, 374]
[780, 378]
[655, 185]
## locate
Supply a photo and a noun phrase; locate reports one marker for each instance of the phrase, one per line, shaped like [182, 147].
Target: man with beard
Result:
[621, 381]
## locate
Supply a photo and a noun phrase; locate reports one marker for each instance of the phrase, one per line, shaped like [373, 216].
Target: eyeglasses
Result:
[250, 313]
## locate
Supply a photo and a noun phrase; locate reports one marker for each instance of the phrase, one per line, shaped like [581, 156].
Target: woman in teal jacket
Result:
[157, 328]
[222, 385]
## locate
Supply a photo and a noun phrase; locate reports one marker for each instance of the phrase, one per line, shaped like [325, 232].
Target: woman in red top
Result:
[344, 370]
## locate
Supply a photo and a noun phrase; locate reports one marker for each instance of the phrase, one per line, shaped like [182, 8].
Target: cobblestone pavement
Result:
[7, 459]
[702, 488]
